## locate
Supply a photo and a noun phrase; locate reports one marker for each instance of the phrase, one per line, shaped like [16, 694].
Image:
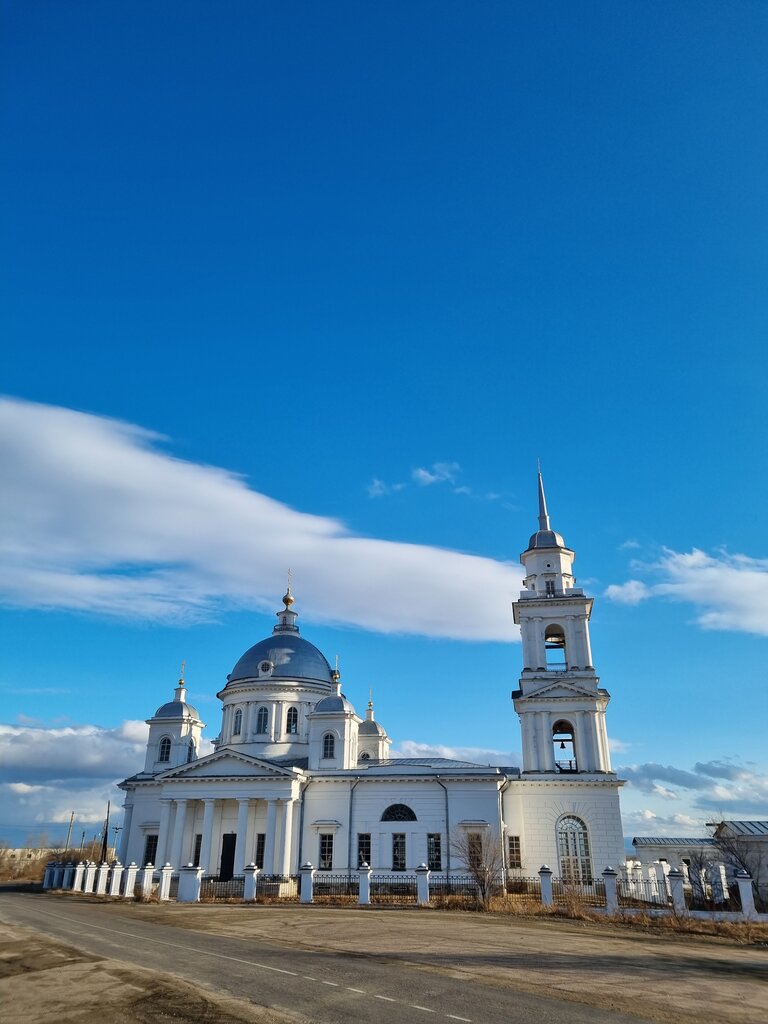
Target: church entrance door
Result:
[227, 869]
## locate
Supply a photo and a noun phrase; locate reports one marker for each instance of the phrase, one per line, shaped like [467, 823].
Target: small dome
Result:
[546, 539]
[335, 702]
[292, 657]
[176, 709]
[371, 728]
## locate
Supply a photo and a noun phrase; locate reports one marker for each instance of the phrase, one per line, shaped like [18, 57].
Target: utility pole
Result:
[69, 831]
[105, 839]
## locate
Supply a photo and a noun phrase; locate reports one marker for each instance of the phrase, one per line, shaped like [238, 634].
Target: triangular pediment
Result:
[561, 688]
[229, 763]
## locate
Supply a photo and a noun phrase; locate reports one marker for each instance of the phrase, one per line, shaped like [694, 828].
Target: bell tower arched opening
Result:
[564, 747]
[554, 646]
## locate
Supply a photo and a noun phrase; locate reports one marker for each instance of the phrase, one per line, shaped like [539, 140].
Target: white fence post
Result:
[77, 884]
[101, 879]
[744, 883]
[251, 873]
[717, 878]
[129, 880]
[147, 878]
[307, 883]
[115, 879]
[364, 894]
[675, 879]
[90, 876]
[662, 870]
[189, 884]
[165, 882]
[545, 876]
[422, 885]
[610, 878]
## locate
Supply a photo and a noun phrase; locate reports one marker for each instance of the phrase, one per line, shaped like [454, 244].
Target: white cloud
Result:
[478, 755]
[646, 822]
[377, 488]
[713, 787]
[632, 592]
[96, 517]
[439, 473]
[629, 545]
[730, 592]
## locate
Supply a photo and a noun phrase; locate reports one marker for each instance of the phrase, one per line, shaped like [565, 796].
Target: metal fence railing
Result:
[329, 887]
[213, 888]
[591, 894]
[524, 888]
[395, 888]
[709, 898]
[446, 888]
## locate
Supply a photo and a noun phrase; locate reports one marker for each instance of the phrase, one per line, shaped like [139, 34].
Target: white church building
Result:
[298, 776]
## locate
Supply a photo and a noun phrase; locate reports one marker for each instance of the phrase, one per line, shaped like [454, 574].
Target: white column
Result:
[546, 753]
[580, 747]
[269, 839]
[243, 807]
[287, 838]
[529, 756]
[209, 807]
[162, 835]
[178, 833]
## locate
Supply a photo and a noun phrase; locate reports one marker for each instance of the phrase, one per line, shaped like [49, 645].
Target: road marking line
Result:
[334, 983]
[454, 1017]
[387, 999]
[306, 977]
[426, 1009]
[360, 991]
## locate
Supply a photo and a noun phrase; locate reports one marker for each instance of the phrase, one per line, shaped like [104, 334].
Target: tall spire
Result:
[543, 514]
[286, 619]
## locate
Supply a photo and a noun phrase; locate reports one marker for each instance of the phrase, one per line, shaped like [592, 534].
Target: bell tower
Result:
[560, 704]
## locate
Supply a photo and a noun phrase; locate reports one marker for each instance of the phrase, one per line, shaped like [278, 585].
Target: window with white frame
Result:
[292, 721]
[262, 721]
[237, 726]
[164, 750]
[573, 850]
[434, 851]
[398, 851]
[325, 862]
[514, 852]
[329, 745]
[363, 848]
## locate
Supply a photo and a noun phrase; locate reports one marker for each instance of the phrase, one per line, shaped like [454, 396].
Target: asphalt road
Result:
[326, 988]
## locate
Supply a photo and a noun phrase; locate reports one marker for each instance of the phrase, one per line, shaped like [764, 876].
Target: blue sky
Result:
[315, 285]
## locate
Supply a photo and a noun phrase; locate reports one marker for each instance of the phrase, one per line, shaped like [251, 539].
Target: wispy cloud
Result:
[729, 592]
[96, 517]
[717, 786]
[438, 473]
[629, 545]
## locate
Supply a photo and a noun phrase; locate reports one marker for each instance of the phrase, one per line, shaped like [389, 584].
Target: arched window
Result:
[191, 751]
[554, 645]
[237, 728]
[398, 812]
[164, 750]
[565, 753]
[365, 757]
[262, 720]
[573, 849]
[292, 721]
[329, 745]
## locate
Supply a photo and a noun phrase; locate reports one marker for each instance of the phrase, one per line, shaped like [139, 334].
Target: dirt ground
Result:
[673, 979]
[42, 981]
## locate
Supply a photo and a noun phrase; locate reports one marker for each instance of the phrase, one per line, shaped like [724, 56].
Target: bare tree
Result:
[481, 854]
[744, 853]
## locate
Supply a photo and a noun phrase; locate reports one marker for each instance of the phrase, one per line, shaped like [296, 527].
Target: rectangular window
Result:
[550, 585]
[326, 851]
[474, 850]
[198, 846]
[514, 853]
[434, 852]
[150, 849]
[398, 851]
[260, 840]
[363, 848]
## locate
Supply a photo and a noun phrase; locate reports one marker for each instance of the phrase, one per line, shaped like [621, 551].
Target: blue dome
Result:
[176, 709]
[335, 702]
[292, 656]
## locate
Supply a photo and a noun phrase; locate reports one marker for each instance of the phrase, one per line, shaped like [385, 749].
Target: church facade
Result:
[298, 776]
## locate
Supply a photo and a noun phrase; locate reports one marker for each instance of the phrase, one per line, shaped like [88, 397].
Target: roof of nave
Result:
[669, 841]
